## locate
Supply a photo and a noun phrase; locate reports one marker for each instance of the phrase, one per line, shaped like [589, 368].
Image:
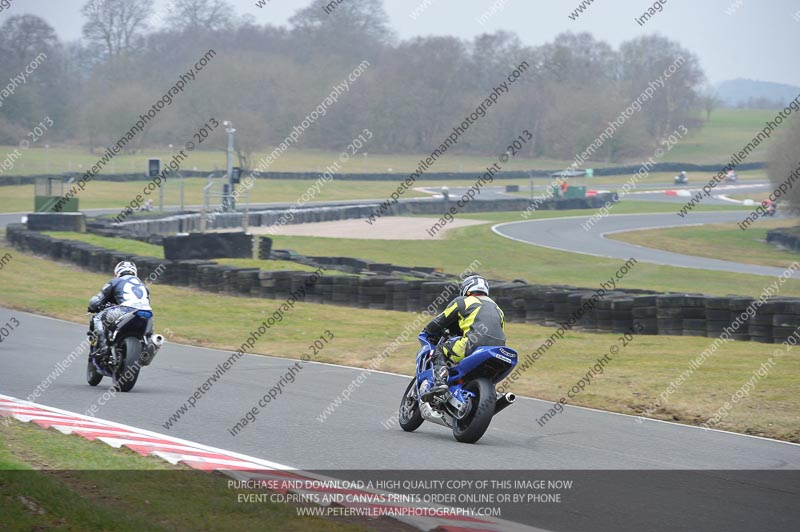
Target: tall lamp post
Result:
[231, 202]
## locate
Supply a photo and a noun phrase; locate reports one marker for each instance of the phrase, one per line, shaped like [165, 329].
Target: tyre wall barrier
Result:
[786, 237]
[50, 221]
[208, 246]
[550, 305]
[191, 222]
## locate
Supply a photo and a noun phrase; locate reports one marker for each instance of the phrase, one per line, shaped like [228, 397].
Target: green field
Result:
[727, 131]
[110, 195]
[718, 241]
[64, 159]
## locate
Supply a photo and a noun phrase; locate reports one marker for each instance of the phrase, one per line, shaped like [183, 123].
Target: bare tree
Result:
[710, 101]
[199, 15]
[354, 29]
[116, 24]
[643, 61]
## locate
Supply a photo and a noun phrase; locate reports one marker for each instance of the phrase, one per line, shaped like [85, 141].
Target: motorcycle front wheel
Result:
[474, 424]
[409, 415]
[93, 377]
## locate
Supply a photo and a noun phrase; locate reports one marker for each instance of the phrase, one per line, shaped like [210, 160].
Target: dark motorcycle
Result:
[132, 345]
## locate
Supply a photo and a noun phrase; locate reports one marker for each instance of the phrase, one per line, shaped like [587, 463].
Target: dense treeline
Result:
[267, 79]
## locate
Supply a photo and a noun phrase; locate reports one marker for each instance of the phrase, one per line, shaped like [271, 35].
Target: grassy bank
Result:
[639, 373]
[718, 241]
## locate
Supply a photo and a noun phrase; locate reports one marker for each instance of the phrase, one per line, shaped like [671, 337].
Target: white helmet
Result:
[125, 268]
[474, 284]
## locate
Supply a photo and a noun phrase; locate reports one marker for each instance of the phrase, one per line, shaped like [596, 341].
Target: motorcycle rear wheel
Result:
[474, 424]
[409, 416]
[127, 372]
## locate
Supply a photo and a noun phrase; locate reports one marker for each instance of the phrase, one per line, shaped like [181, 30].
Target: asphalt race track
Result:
[287, 430]
[567, 234]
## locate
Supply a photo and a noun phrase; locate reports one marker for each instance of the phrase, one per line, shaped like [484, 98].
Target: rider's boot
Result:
[440, 376]
[99, 343]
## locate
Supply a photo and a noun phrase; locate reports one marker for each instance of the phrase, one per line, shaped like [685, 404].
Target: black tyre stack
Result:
[739, 319]
[517, 309]
[241, 279]
[206, 274]
[275, 285]
[718, 315]
[345, 289]
[575, 302]
[325, 293]
[589, 318]
[536, 305]
[621, 313]
[760, 326]
[645, 313]
[605, 315]
[503, 296]
[694, 315]
[397, 295]
[560, 299]
[303, 285]
[371, 292]
[433, 290]
[414, 297]
[228, 279]
[785, 320]
[671, 313]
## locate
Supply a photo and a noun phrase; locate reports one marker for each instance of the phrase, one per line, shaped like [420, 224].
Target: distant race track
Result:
[568, 234]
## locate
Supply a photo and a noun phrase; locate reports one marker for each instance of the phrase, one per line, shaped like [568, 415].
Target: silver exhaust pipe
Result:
[504, 401]
[429, 414]
[151, 349]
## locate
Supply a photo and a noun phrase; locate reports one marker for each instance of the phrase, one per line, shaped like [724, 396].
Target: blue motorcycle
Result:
[471, 399]
[132, 345]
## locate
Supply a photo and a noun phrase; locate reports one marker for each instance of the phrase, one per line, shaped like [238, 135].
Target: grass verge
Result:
[635, 378]
[135, 247]
[717, 241]
[49, 481]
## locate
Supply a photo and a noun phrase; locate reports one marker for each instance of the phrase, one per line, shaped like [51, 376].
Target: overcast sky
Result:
[760, 39]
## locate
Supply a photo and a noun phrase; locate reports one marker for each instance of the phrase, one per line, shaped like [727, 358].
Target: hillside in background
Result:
[755, 94]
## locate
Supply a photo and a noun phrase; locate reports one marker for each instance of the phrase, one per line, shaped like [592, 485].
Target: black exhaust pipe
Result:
[503, 401]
